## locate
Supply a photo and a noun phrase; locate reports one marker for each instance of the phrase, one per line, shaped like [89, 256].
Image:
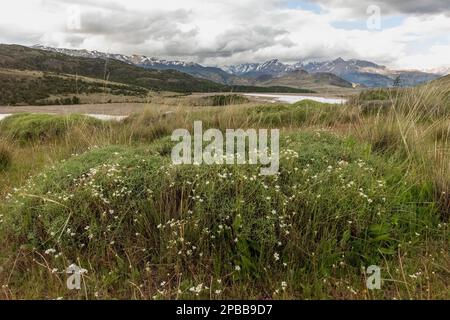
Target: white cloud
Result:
[222, 32]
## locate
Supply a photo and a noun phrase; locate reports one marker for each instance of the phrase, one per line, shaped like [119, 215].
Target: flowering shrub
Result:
[130, 215]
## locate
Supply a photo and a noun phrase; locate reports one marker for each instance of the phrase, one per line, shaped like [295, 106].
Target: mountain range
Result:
[359, 72]
[351, 72]
[31, 76]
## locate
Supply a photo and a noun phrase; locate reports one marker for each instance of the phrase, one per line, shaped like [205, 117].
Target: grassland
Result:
[362, 184]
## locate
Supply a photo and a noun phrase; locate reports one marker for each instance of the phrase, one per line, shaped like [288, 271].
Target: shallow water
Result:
[104, 117]
[3, 116]
[295, 98]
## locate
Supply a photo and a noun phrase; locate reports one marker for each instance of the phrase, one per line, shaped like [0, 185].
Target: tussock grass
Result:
[305, 113]
[123, 210]
[5, 155]
[29, 127]
[361, 184]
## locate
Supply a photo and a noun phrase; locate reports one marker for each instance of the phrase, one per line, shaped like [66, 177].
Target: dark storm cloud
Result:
[133, 27]
[220, 32]
[248, 38]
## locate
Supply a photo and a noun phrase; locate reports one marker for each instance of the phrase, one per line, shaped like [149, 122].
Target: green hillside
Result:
[36, 77]
[44, 88]
[24, 58]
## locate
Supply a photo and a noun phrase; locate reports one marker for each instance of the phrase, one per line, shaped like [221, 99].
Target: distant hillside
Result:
[303, 79]
[444, 80]
[361, 72]
[20, 87]
[368, 73]
[194, 69]
[24, 58]
[250, 74]
[61, 78]
[356, 71]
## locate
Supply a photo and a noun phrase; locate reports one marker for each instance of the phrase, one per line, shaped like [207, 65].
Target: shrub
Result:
[122, 210]
[28, 127]
[225, 100]
[306, 112]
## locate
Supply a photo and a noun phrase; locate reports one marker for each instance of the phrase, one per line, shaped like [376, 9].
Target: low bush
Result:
[27, 127]
[129, 216]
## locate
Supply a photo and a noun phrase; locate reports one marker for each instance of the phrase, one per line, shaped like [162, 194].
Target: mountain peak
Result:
[356, 71]
[272, 61]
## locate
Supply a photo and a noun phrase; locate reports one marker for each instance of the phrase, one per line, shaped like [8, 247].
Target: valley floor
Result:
[119, 109]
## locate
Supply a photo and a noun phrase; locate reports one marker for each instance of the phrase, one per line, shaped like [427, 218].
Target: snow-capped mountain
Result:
[271, 67]
[276, 67]
[360, 72]
[340, 66]
[195, 69]
[85, 53]
[443, 71]
[131, 59]
[355, 71]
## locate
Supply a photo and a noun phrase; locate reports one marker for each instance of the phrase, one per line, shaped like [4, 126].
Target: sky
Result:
[406, 34]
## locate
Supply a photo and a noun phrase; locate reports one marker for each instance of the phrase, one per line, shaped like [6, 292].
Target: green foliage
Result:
[298, 114]
[378, 94]
[23, 58]
[224, 100]
[5, 156]
[26, 127]
[15, 89]
[333, 203]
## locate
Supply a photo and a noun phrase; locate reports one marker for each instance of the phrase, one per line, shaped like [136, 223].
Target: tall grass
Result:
[361, 184]
[5, 155]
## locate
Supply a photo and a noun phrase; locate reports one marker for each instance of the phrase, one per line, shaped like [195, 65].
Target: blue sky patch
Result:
[361, 24]
[304, 5]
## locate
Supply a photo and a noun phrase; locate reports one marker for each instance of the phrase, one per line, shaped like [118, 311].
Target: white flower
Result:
[237, 268]
[50, 251]
[197, 289]
[276, 256]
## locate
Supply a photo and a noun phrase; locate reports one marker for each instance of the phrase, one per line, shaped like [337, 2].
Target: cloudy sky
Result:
[400, 34]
